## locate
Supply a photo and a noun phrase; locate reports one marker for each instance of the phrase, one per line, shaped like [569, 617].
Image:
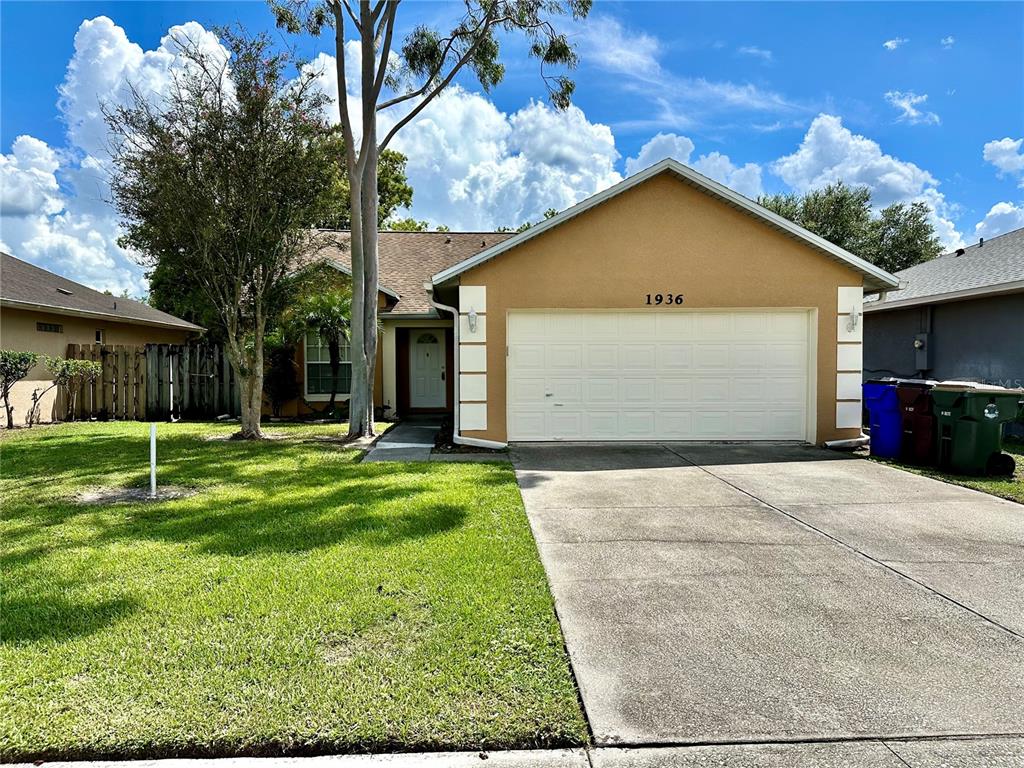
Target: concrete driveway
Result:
[734, 594]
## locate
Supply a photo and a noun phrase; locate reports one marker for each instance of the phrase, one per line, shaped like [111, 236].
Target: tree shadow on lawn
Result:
[253, 497]
[50, 616]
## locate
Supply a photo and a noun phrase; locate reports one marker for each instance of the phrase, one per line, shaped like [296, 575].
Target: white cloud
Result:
[830, 152]
[758, 53]
[1001, 218]
[606, 43]
[896, 42]
[678, 100]
[1007, 156]
[55, 211]
[907, 103]
[947, 41]
[745, 179]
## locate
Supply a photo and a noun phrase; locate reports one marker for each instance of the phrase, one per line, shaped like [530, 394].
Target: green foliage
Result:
[300, 602]
[899, 237]
[218, 185]
[407, 225]
[280, 383]
[393, 189]
[70, 375]
[321, 304]
[14, 366]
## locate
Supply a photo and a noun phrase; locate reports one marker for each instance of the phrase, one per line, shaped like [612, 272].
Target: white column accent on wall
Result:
[849, 355]
[472, 387]
[473, 416]
[468, 334]
[472, 357]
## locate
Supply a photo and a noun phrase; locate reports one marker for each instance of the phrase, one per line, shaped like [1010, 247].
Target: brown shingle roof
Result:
[409, 259]
[26, 285]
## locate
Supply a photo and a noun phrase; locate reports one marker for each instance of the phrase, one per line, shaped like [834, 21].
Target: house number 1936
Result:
[664, 299]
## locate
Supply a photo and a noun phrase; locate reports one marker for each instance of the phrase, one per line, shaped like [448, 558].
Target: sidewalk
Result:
[980, 752]
[409, 441]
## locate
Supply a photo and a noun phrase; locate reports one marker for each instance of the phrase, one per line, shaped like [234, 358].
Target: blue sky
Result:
[918, 101]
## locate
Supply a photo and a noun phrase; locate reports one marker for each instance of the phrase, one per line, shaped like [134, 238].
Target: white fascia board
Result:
[878, 277]
[941, 298]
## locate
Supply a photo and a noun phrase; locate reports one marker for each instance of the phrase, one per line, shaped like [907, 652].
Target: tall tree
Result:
[173, 292]
[900, 236]
[401, 83]
[220, 183]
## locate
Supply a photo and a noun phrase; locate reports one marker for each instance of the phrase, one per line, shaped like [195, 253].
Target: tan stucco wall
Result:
[18, 332]
[662, 236]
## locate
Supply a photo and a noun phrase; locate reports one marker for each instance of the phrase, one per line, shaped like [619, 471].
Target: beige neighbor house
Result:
[43, 312]
[665, 308]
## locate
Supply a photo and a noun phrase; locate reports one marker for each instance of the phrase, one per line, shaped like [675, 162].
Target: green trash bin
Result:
[970, 420]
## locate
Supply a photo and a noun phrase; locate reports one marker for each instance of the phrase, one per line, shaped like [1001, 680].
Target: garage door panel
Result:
[710, 356]
[526, 390]
[675, 390]
[601, 391]
[675, 425]
[602, 356]
[637, 326]
[641, 357]
[674, 357]
[662, 374]
[561, 357]
[601, 425]
[566, 424]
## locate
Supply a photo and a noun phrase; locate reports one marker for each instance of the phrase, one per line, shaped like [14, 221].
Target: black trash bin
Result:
[917, 421]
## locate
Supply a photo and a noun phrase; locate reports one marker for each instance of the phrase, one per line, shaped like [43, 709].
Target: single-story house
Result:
[959, 316]
[666, 307]
[43, 312]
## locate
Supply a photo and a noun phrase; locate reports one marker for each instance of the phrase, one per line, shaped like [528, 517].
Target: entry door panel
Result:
[677, 375]
[426, 368]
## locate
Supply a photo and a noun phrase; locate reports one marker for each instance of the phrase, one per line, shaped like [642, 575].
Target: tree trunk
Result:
[370, 204]
[10, 413]
[249, 366]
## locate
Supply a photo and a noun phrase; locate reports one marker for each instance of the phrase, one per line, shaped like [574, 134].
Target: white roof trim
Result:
[940, 298]
[875, 276]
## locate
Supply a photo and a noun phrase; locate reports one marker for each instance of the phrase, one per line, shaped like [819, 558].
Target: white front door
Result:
[426, 369]
[658, 375]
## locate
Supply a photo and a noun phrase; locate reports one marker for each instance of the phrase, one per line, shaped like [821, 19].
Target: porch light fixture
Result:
[472, 319]
[852, 320]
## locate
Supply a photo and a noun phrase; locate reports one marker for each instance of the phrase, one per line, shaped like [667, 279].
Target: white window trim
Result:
[318, 397]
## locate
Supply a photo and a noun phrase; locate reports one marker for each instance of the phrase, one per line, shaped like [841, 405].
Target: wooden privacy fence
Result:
[155, 382]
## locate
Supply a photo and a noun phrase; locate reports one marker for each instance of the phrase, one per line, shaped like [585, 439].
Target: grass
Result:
[299, 603]
[1011, 488]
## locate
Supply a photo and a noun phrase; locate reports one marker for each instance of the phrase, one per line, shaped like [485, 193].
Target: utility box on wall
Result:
[922, 352]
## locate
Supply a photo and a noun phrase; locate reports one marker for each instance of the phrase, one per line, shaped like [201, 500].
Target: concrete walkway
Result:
[776, 593]
[1001, 752]
[409, 441]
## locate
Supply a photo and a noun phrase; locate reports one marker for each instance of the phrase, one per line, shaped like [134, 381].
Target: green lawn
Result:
[299, 602]
[1005, 487]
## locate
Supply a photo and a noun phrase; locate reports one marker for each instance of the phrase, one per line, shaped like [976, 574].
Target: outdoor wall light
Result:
[472, 319]
[852, 320]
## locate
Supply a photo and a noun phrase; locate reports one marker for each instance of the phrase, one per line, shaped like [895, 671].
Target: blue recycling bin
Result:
[883, 406]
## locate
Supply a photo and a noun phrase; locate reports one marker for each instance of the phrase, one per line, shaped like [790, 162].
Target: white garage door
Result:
[666, 375]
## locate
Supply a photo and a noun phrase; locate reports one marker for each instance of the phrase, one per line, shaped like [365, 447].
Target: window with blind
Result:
[318, 368]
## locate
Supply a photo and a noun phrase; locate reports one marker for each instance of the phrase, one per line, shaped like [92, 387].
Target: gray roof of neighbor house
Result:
[408, 259]
[26, 286]
[997, 266]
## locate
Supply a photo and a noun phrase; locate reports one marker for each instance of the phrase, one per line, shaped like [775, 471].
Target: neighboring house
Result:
[959, 316]
[667, 307]
[43, 312]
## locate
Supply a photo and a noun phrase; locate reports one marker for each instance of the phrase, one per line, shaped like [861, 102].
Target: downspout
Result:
[457, 437]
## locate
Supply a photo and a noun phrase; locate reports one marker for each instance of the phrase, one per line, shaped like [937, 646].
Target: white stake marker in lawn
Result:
[152, 460]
